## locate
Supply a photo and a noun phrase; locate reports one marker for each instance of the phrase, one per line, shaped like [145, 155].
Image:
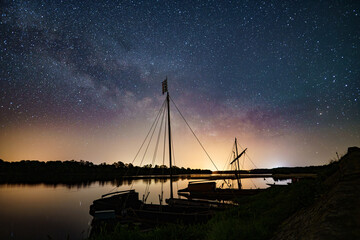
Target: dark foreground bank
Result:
[302, 210]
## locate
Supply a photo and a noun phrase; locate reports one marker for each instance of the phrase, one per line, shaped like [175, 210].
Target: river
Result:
[39, 211]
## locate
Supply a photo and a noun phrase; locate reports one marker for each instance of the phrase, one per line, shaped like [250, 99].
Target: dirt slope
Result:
[336, 215]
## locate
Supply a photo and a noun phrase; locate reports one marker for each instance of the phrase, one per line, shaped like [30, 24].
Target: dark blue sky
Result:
[252, 69]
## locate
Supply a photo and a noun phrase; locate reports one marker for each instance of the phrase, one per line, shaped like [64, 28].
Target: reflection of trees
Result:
[146, 180]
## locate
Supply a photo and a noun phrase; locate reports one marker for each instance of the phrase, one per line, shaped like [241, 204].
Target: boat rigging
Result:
[126, 206]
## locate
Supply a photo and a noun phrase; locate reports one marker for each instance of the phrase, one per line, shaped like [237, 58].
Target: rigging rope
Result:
[197, 138]
[227, 164]
[147, 147]
[154, 125]
[148, 133]
[194, 134]
[156, 148]
[243, 164]
[247, 155]
[158, 138]
[142, 144]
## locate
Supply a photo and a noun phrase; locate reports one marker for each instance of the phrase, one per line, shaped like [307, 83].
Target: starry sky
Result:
[82, 79]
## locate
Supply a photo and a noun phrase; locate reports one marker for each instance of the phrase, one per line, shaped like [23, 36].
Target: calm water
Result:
[42, 211]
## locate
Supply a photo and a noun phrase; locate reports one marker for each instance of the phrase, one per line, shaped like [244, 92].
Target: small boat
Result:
[215, 193]
[208, 190]
[273, 185]
[116, 201]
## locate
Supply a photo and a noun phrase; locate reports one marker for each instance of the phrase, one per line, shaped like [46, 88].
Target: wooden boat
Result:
[124, 202]
[127, 208]
[116, 201]
[273, 185]
[215, 193]
[208, 190]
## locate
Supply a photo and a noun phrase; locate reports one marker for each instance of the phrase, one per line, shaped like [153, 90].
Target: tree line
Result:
[34, 171]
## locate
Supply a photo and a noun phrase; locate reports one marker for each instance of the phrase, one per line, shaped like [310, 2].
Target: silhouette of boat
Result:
[203, 191]
[208, 190]
[125, 206]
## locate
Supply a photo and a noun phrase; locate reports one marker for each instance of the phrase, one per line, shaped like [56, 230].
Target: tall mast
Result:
[238, 166]
[169, 127]
[165, 89]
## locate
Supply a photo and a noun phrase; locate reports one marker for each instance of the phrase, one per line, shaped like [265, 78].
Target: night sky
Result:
[82, 79]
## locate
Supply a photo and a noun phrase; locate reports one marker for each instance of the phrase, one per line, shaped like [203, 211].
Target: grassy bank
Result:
[256, 217]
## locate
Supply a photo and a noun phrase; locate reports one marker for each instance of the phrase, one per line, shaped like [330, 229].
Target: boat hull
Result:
[117, 202]
[219, 194]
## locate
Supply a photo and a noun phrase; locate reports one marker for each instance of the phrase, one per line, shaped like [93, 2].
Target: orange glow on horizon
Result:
[121, 142]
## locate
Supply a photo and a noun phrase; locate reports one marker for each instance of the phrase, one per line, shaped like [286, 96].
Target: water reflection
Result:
[39, 210]
[114, 182]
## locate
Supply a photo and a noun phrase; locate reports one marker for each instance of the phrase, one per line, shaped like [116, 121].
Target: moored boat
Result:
[219, 193]
[208, 190]
[125, 206]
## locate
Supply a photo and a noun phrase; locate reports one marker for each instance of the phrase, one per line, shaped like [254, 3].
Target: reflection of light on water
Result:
[251, 183]
[155, 187]
[68, 206]
[247, 183]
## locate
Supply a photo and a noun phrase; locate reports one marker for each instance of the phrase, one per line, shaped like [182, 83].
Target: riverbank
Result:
[84, 172]
[336, 214]
[322, 208]
[77, 172]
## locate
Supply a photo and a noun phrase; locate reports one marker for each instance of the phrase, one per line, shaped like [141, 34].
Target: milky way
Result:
[259, 70]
